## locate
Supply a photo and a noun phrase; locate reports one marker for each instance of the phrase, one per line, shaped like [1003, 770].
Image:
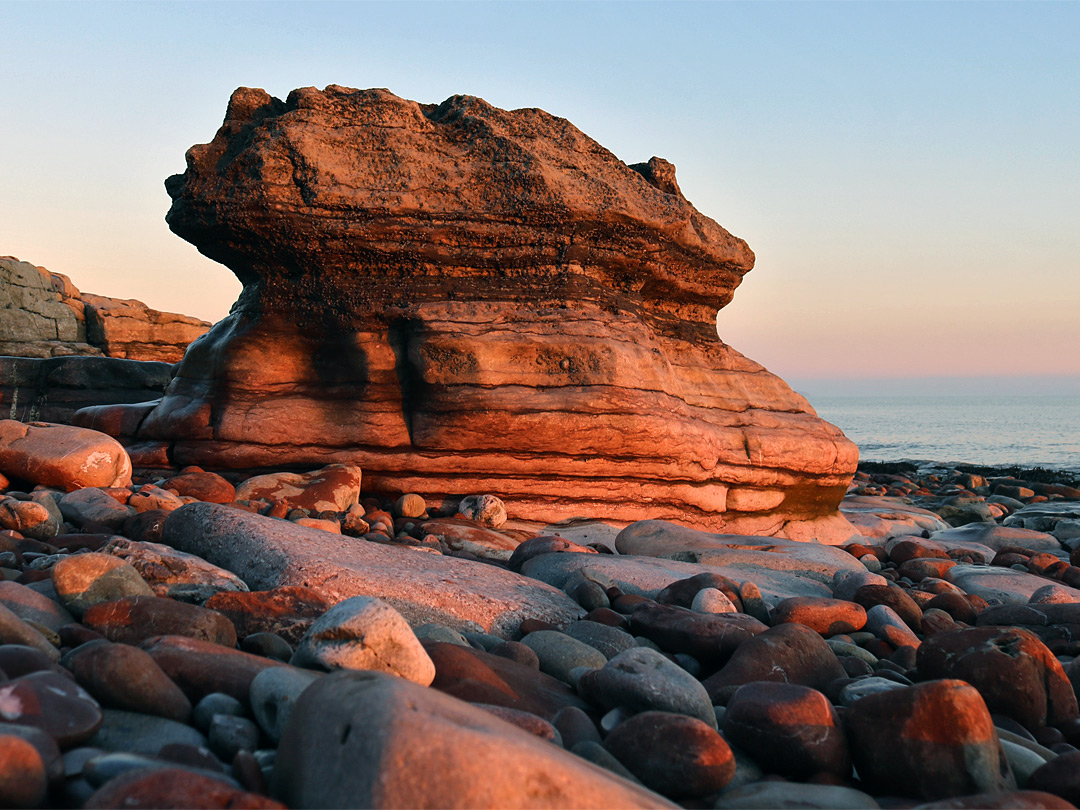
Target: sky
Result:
[908, 173]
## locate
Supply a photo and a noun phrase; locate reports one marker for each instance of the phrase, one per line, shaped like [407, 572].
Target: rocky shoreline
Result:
[296, 640]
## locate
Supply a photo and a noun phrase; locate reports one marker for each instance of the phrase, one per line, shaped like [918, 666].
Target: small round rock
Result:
[410, 505]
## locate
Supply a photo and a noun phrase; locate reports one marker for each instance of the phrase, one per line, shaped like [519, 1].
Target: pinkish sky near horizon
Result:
[907, 173]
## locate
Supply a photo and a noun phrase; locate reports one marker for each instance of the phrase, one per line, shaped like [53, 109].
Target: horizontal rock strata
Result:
[45, 315]
[53, 389]
[461, 299]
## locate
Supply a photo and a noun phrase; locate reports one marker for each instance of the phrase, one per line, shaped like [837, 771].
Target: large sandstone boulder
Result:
[62, 456]
[455, 297]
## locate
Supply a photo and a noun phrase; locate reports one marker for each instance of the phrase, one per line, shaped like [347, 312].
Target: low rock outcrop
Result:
[53, 389]
[458, 298]
[45, 315]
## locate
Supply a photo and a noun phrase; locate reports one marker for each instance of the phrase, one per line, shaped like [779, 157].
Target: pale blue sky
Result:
[907, 173]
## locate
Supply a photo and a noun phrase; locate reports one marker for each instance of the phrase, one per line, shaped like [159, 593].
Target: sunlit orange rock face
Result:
[462, 299]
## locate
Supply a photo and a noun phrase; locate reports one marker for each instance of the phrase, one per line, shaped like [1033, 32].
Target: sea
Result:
[986, 430]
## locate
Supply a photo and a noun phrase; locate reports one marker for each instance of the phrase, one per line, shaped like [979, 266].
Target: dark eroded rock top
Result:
[344, 182]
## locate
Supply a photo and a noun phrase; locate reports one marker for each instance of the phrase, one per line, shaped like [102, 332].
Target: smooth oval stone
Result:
[268, 645]
[175, 787]
[574, 726]
[18, 632]
[52, 702]
[274, 693]
[790, 653]
[1023, 761]
[123, 677]
[137, 733]
[959, 608]
[199, 667]
[214, 704]
[866, 686]
[1060, 776]
[780, 795]
[132, 619]
[711, 600]
[83, 580]
[365, 633]
[710, 638]
[204, 486]
[683, 592]
[791, 730]
[673, 754]
[45, 745]
[642, 680]
[366, 739]
[516, 651]
[828, 617]
[930, 741]
[894, 597]
[846, 583]
[537, 546]
[107, 766]
[1013, 670]
[433, 631]
[883, 622]
[17, 660]
[590, 595]
[228, 735]
[559, 653]
[479, 677]
[29, 605]
[23, 778]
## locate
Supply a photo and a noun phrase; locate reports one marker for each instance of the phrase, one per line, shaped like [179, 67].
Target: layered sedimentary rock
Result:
[52, 389]
[44, 315]
[460, 299]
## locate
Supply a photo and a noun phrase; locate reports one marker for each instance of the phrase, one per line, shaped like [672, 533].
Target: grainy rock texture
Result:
[53, 389]
[268, 553]
[459, 298]
[45, 315]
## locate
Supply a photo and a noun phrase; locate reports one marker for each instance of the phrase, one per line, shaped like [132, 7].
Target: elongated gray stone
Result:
[423, 587]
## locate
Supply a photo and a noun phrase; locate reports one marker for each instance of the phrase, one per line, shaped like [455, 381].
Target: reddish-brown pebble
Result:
[124, 677]
[894, 597]
[479, 677]
[199, 667]
[673, 754]
[1013, 670]
[23, 780]
[174, 788]
[52, 702]
[287, 612]
[789, 653]
[134, 618]
[930, 741]
[204, 486]
[791, 730]
[826, 616]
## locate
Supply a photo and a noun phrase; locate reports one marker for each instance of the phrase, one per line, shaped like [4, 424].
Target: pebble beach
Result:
[294, 640]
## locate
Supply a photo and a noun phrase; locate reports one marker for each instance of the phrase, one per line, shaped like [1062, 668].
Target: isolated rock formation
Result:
[460, 299]
[45, 315]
